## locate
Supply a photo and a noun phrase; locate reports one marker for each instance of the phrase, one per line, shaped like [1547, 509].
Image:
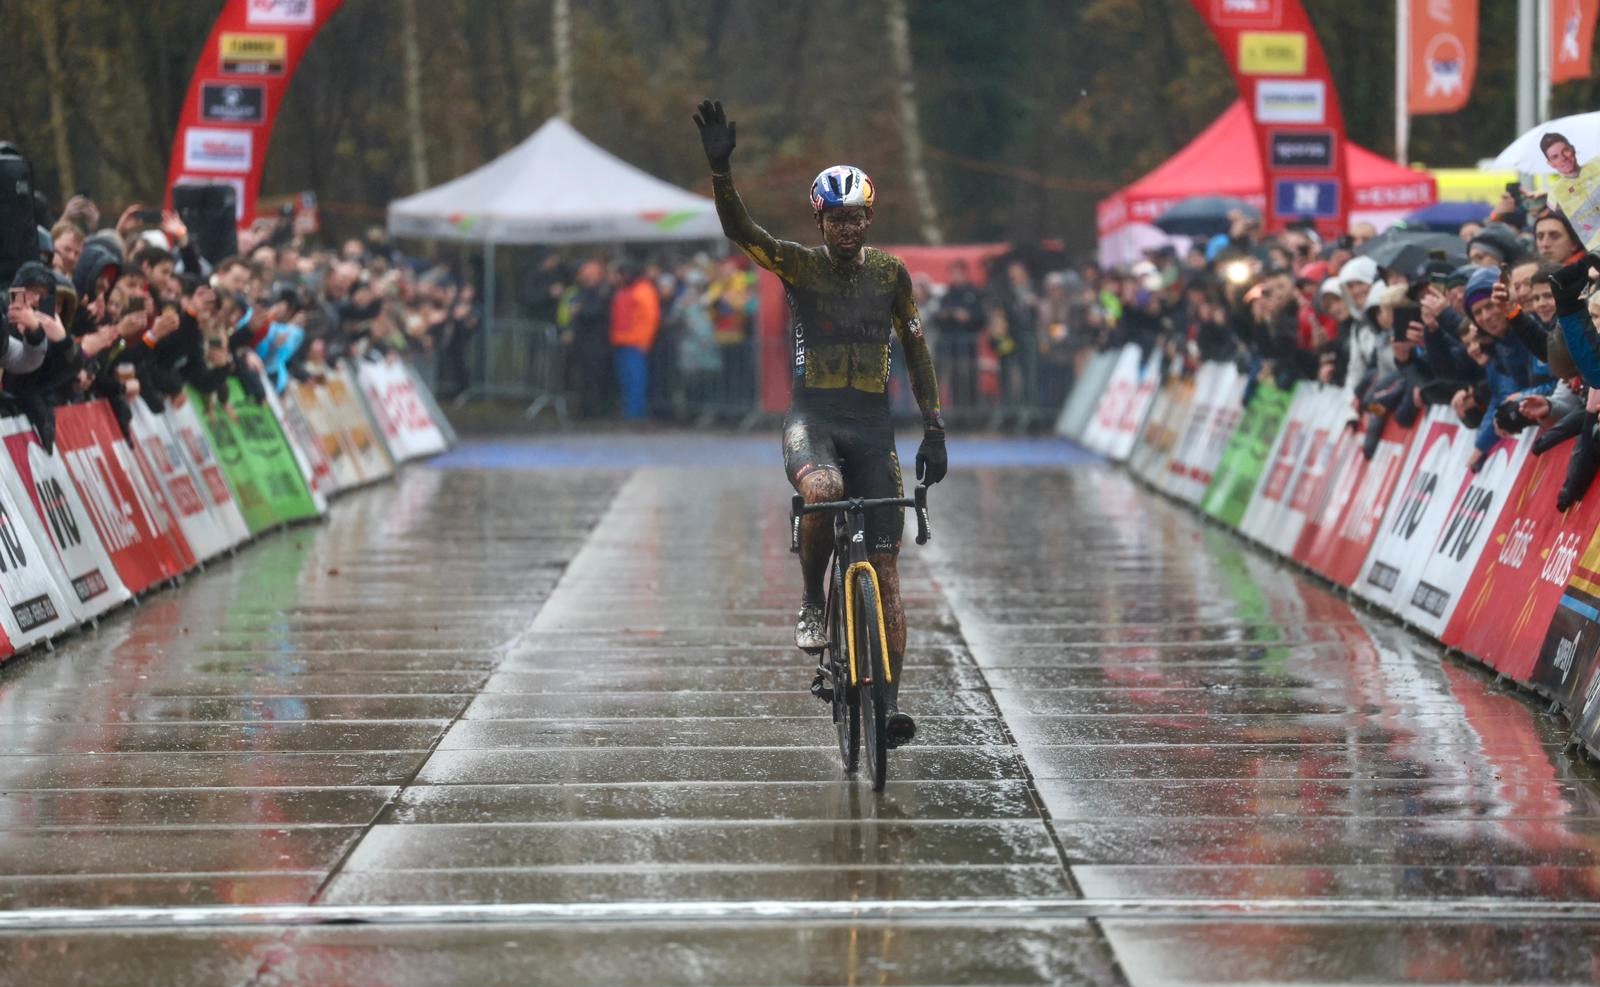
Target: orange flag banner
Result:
[1571, 38]
[1444, 54]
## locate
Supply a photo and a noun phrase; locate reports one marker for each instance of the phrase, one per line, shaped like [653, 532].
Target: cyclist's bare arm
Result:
[919, 362]
[781, 257]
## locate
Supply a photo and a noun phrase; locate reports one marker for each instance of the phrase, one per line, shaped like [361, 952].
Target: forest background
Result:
[1027, 111]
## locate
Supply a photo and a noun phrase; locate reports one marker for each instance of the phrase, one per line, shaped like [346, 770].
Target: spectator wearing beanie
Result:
[1511, 372]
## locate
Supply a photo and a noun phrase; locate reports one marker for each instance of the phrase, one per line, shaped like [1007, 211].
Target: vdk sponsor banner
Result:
[190, 438]
[1523, 570]
[351, 414]
[1085, 398]
[1433, 467]
[73, 553]
[1475, 508]
[393, 401]
[1284, 462]
[1098, 435]
[1343, 548]
[1133, 416]
[131, 536]
[1326, 497]
[1245, 457]
[158, 450]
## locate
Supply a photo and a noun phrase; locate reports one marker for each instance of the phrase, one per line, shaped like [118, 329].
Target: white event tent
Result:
[556, 187]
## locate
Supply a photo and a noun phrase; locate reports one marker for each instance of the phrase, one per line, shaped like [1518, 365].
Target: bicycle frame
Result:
[849, 541]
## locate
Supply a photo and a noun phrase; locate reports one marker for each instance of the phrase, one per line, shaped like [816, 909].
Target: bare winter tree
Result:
[911, 129]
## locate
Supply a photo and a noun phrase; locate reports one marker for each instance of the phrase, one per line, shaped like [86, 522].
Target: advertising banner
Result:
[1343, 543]
[189, 437]
[1218, 408]
[1161, 432]
[1102, 428]
[1282, 74]
[372, 456]
[1310, 484]
[411, 433]
[314, 469]
[440, 419]
[311, 402]
[1567, 654]
[233, 97]
[1523, 570]
[36, 606]
[1245, 456]
[1133, 416]
[74, 555]
[1429, 600]
[1443, 55]
[283, 483]
[131, 536]
[1432, 473]
[1085, 398]
[1571, 38]
[1289, 451]
[158, 452]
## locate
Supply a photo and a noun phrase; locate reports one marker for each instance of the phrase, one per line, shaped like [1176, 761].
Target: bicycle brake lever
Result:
[795, 507]
[921, 497]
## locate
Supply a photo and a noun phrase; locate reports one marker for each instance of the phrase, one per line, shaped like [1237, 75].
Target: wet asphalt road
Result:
[533, 717]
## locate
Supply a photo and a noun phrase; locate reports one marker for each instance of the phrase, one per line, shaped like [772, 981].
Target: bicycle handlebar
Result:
[918, 502]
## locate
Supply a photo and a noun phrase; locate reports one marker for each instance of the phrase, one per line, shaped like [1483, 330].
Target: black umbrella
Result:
[1203, 215]
[1407, 250]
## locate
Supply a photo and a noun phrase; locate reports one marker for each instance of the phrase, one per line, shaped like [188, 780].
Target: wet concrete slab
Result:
[488, 690]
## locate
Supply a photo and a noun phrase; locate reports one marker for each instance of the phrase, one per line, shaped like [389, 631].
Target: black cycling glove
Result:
[717, 134]
[932, 463]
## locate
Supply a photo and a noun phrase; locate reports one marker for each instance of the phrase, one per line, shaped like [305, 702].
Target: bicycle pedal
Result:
[821, 687]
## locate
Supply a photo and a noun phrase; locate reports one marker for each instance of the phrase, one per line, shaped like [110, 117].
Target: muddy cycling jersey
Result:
[841, 315]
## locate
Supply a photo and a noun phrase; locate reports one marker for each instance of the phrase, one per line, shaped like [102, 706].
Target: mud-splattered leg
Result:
[816, 531]
[894, 613]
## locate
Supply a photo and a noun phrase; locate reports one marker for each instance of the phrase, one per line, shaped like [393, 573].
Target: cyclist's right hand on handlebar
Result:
[717, 134]
[932, 463]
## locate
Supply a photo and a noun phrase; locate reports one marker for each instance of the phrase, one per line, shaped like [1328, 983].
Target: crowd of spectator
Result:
[132, 311]
[1492, 323]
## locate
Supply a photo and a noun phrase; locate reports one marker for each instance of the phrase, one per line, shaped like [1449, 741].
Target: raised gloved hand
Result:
[1569, 283]
[932, 463]
[717, 134]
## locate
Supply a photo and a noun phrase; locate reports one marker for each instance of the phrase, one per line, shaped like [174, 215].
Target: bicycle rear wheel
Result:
[873, 671]
[846, 706]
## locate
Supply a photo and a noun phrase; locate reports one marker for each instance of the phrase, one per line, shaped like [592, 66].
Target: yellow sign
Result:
[1272, 53]
[253, 54]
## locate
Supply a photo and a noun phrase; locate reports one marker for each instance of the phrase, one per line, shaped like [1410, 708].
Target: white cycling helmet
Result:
[841, 186]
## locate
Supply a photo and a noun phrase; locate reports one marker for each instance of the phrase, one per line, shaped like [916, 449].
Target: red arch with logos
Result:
[245, 68]
[1283, 78]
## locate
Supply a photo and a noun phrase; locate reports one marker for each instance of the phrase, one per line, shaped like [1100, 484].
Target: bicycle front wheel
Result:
[873, 669]
[846, 705]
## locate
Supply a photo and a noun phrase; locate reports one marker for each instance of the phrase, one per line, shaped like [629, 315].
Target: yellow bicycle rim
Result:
[850, 621]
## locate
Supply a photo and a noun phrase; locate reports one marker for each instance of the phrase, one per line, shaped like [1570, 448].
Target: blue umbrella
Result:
[1447, 217]
[1203, 215]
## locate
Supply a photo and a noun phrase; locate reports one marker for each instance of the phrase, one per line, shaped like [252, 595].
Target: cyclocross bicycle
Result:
[856, 659]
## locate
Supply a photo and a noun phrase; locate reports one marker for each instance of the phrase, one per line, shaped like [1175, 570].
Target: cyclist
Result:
[838, 441]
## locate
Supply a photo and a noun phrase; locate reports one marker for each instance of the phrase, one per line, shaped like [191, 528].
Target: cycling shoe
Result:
[898, 729]
[809, 634]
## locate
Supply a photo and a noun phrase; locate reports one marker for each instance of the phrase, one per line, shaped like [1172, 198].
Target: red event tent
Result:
[1223, 161]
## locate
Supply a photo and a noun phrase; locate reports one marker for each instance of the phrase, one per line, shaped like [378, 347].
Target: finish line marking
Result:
[959, 909]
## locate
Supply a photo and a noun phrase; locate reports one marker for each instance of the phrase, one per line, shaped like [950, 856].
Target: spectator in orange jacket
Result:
[635, 319]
